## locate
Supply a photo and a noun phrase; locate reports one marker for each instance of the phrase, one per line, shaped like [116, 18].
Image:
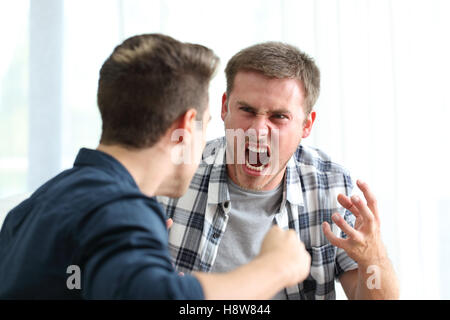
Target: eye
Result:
[247, 109]
[279, 116]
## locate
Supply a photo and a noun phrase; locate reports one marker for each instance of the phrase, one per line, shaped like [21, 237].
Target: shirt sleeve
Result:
[124, 255]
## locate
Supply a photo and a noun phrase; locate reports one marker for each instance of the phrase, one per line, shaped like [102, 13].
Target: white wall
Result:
[383, 109]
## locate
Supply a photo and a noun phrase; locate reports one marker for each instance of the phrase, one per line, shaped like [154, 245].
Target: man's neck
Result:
[147, 166]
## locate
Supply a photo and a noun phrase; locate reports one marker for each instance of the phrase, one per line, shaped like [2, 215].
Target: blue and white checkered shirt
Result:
[311, 186]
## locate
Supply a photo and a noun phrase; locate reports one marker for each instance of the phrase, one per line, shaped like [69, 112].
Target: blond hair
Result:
[277, 60]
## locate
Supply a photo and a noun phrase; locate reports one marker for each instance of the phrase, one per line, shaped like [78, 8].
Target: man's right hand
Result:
[281, 262]
[289, 254]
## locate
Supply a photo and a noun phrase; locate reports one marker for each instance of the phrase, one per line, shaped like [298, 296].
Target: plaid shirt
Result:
[311, 185]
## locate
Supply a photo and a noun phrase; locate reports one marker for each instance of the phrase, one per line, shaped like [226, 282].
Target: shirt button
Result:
[226, 207]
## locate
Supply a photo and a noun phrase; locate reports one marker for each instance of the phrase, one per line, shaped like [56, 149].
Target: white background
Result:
[383, 113]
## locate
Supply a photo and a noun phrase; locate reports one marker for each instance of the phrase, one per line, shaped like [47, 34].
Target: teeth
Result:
[260, 168]
[255, 149]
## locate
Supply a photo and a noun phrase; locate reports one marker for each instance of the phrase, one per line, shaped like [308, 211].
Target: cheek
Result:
[203, 139]
[187, 172]
[227, 121]
[289, 141]
[233, 121]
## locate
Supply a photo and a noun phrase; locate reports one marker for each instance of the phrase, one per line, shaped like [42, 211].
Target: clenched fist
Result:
[289, 254]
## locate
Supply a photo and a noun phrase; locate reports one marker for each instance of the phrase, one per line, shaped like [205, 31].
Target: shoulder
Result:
[95, 196]
[135, 205]
[130, 215]
[133, 213]
[315, 167]
[318, 160]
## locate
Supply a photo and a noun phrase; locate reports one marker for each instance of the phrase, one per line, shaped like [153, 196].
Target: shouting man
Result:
[260, 174]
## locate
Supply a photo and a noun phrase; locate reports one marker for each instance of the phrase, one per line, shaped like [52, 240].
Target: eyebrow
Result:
[277, 111]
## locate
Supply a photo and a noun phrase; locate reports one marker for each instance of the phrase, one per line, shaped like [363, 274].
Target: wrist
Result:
[377, 257]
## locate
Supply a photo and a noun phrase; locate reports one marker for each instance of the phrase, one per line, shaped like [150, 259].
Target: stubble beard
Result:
[252, 187]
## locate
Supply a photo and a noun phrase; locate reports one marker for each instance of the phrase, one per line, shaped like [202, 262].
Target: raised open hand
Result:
[363, 243]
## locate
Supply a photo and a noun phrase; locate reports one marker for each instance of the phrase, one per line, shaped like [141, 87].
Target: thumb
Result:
[335, 241]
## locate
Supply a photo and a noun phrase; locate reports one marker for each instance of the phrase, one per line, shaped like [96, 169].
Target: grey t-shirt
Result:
[251, 216]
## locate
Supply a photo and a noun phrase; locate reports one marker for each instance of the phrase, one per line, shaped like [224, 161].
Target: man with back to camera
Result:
[101, 217]
[259, 175]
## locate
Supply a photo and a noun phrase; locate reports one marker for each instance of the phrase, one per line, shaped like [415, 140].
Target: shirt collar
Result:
[218, 180]
[293, 187]
[97, 158]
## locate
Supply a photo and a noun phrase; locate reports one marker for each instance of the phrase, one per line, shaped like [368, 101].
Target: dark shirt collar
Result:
[97, 158]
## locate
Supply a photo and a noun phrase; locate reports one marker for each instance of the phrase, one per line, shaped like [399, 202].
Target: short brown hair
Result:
[147, 83]
[277, 60]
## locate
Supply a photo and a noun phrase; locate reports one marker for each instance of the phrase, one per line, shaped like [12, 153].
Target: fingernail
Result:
[336, 217]
[356, 198]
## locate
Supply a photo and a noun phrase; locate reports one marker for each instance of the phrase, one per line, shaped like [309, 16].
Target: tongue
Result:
[254, 159]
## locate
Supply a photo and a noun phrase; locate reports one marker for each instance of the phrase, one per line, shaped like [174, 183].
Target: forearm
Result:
[259, 279]
[377, 281]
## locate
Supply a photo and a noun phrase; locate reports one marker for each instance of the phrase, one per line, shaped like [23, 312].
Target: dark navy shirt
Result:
[92, 217]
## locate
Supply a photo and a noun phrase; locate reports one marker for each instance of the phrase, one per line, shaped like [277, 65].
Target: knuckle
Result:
[291, 235]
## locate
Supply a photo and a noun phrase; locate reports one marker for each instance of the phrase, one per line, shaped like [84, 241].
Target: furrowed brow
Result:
[280, 111]
[244, 104]
[272, 112]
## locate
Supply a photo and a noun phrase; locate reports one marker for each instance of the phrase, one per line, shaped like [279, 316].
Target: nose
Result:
[260, 127]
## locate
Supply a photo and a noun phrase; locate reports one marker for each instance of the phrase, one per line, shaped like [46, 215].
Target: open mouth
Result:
[257, 158]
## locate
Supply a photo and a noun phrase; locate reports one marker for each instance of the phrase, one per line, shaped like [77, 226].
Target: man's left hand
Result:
[363, 243]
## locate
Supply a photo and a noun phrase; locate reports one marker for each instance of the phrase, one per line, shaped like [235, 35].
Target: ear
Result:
[307, 127]
[224, 106]
[187, 121]
[183, 127]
